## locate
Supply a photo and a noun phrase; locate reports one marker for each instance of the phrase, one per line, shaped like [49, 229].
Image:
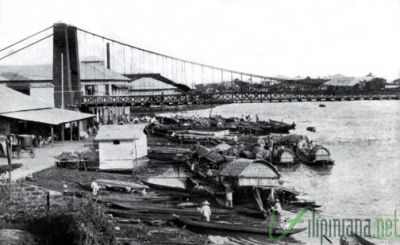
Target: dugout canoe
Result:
[234, 227]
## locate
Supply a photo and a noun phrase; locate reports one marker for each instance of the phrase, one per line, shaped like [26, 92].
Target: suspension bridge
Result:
[71, 45]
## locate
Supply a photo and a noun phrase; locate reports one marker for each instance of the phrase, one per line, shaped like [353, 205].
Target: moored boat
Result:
[316, 156]
[235, 227]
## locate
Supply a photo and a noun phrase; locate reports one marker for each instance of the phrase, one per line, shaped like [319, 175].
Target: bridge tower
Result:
[66, 75]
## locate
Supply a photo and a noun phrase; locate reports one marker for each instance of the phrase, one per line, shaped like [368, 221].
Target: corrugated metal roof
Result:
[52, 116]
[27, 72]
[96, 71]
[13, 101]
[120, 132]
[88, 71]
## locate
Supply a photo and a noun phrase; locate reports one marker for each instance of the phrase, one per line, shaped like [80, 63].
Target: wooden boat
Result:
[355, 239]
[302, 203]
[234, 227]
[163, 187]
[161, 209]
[168, 154]
[6, 168]
[113, 185]
[361, 240]
[165, 125]
[317, 156]
[311, 129]
[119, 185]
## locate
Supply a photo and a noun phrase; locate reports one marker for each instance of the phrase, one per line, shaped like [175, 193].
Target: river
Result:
[363, 138]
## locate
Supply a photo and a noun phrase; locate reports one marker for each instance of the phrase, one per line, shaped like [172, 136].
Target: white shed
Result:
[120, 146]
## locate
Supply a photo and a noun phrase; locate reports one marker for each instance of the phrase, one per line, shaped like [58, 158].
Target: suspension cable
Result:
[175, 58]
[26, 38]
[27, 46]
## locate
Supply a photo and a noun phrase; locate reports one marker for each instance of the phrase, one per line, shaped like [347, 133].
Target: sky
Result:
[267, 37]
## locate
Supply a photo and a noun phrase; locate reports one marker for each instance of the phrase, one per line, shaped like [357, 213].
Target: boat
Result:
[164, 126]
[162, 209]
[304, 203]
[311, 129]
[322, 105]
[168, 154]
[317, 156]
[126, 186]
[163, 187]
[355, 239]
[6, 168]
[234, 227]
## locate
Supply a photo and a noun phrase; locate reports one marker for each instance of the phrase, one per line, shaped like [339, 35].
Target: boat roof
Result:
[208, 154]
[249, 169]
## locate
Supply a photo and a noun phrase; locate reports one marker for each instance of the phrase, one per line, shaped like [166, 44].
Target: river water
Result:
[363, 138]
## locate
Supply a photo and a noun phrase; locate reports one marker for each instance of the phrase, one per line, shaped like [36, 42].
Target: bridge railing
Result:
[233, 97]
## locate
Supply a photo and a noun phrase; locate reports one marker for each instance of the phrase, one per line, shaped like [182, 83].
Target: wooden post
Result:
[78, 124]
[71, 127]
[108, 57]
[52, 135]
[8, 149]
[62, 133]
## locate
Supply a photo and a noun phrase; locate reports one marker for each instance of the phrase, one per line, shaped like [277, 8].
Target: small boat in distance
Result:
[311, 129]
[322, 105]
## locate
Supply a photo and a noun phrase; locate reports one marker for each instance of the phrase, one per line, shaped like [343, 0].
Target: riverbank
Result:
[148, 229]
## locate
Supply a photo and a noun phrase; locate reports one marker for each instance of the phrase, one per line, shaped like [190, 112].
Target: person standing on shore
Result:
[95, 188]
[205, 210]
[229, 197]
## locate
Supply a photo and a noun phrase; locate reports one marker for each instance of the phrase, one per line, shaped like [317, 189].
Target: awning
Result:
[52, 116]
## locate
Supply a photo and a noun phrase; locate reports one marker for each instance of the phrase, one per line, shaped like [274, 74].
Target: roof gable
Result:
[248, 168]
[96, 72]
[120, 132]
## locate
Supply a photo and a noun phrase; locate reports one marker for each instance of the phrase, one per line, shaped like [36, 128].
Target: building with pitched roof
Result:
[121, 145]
[23, 114]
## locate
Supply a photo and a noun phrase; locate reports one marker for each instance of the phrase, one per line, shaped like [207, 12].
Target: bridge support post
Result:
[65, 47]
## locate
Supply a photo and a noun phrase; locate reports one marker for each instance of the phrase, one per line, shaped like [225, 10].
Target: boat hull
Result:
[234, 227]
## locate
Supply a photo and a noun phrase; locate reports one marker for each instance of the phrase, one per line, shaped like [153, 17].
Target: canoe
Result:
[163, 187]
[129, 186]
[355, 239]
[302, 203]
[234, 227]
[6, 168]
[134, 208]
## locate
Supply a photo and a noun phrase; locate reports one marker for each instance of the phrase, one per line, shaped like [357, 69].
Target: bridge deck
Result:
[236, 97]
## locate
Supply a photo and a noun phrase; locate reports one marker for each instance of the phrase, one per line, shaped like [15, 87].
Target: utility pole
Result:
[62, 80]
[9, 150]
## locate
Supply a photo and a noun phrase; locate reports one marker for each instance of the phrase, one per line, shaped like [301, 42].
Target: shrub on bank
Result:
[82, 223]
